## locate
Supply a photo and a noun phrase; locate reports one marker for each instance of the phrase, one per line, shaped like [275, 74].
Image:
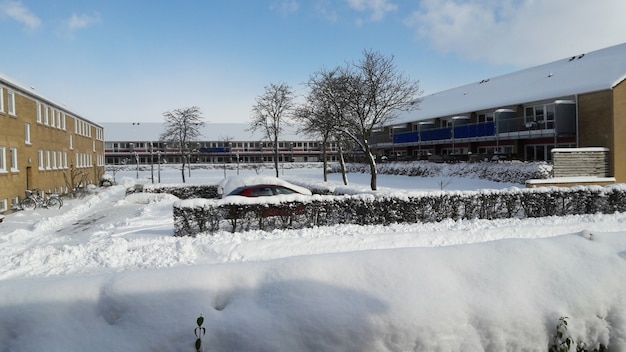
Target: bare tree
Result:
[273, 108]
[181, 127]
[377, 92]
[322, 113]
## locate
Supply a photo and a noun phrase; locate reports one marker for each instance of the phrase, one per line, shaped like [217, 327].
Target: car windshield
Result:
[283, 190]
[261, 192]
[236, 191]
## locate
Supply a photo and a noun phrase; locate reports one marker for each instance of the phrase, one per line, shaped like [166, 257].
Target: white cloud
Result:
[286, 7]
[20, 13]
[377, 8]
[326, 11]
[519, 32]
[82, 21]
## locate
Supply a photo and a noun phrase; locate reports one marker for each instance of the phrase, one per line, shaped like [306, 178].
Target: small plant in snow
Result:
[199, 331]
[445, 183]
[563, 341]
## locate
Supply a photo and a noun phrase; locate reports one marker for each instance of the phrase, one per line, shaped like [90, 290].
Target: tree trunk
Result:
[182, 169]
[342, 164]
[324, 161]
[276, 155]
[372, 162]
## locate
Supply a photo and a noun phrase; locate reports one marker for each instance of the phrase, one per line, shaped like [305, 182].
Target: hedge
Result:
[195, 216]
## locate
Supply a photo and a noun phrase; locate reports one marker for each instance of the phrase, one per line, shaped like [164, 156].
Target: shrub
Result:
[562, 341]
[205, 215]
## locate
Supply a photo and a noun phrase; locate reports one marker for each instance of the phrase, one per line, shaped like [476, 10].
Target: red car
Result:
[268, 190]
[262, 191]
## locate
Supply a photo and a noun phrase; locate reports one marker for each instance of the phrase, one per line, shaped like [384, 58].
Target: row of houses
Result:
[138, 142]
[579, 101]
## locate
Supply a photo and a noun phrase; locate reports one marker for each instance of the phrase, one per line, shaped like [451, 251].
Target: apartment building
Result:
[130, 143]
[44, 145]
[579, 101]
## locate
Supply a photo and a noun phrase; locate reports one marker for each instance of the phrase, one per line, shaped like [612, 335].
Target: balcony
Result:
[511, 128]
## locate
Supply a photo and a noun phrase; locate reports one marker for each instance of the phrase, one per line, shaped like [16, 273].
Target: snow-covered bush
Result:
[184, 191]
[205, 215]
[500, 171]
[106, 180]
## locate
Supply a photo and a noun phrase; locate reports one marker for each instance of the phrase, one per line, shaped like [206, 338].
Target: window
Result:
[54, 160]
[63, 121]
[45, 116]
[71, 142]
[550, 111]
[529, 114]
[13, 155]
[39, 107]
[3, 162]
[27, 133]
[3, 205]
[47, 160]
[539, 113]
[485, 117]
[41, 165]
[1, 99]
[11, 102]
[65, 160]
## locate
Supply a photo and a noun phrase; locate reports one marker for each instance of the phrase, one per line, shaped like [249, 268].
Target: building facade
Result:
[139, 143]
[579, 101]
[44, 146]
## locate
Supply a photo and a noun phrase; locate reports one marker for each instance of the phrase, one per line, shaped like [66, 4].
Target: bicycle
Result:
[34, 200]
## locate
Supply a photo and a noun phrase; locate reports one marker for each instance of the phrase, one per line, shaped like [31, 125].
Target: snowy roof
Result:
[5, 80]
[584, 73]
[150, 131]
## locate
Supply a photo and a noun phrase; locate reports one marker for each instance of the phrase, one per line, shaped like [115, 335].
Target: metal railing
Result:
[514, 128]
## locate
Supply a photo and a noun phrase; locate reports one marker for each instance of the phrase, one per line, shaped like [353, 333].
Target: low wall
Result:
[571, 182]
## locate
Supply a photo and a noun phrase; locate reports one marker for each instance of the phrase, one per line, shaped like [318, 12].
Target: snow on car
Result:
[264, 184]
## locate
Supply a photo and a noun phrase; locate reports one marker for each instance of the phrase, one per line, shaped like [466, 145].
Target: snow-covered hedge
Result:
[204, 215]
[183, 191]
[501, 171]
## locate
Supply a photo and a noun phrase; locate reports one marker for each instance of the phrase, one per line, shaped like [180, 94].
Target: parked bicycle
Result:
[34, 200]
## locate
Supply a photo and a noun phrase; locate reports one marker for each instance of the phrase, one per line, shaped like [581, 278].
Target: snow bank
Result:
[497, 296]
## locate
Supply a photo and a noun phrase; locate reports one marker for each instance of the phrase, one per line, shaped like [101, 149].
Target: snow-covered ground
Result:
[104, 273]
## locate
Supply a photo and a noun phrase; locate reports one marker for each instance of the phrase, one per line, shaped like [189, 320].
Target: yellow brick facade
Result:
[44, 146]
[619, 131]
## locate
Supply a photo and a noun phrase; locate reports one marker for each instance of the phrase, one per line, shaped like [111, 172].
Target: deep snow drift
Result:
[105, 273]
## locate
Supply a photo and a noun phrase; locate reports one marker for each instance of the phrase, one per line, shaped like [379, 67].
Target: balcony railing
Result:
[514, 128]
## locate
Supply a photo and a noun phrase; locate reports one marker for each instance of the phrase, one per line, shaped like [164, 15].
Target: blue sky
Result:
[132, 60]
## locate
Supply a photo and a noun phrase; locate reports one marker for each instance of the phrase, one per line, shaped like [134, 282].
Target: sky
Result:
[121, 61]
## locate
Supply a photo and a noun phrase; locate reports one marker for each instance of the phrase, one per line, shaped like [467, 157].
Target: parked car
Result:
[258, 187]
[264, 190]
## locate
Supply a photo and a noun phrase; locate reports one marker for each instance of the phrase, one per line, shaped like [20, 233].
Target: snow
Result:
[104, 273]
[229, 184]
[579, 150]
[572, 179]
[211, 131]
